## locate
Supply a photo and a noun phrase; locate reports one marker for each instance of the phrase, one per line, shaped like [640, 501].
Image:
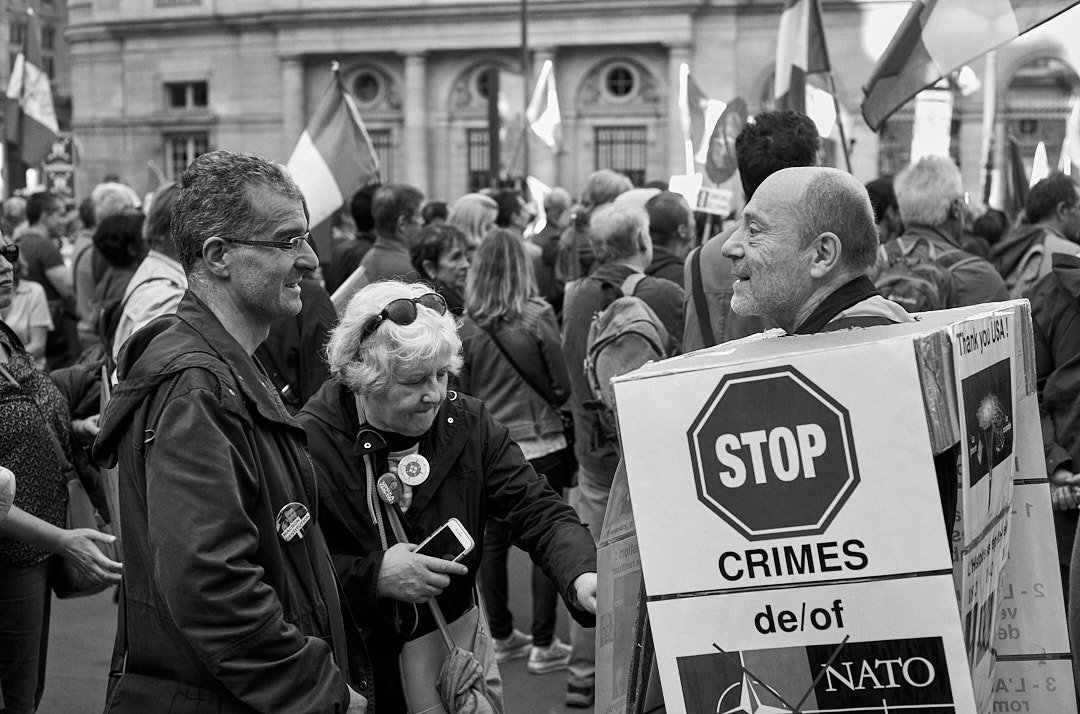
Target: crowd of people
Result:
[287, 427]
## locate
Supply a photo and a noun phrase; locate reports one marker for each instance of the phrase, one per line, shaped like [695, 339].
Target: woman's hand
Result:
[78, 546]
[410, 577]
[86, 430]
[585, 589]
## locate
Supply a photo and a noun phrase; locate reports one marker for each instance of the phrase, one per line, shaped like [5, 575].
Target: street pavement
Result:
[81, 639]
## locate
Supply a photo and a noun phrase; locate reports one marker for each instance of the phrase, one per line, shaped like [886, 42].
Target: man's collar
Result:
[252, 382]
[850, 293]
[930, 232]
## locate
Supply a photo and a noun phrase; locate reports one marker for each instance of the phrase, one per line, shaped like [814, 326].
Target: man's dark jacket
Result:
[294, 353]
[666, 264]
[208, 457]
[477, 471]
[1056, 325]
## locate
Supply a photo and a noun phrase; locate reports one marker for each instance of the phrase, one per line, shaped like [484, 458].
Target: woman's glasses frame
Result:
[403, 311]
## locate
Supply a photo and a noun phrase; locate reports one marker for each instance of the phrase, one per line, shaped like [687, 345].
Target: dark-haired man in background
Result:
[772, 141]
[1051, 225]
[40, 247]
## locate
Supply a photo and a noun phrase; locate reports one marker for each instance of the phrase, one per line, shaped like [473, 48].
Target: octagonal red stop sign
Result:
[773, 454]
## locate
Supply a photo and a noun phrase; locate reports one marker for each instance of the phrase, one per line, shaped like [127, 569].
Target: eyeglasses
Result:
[287, 244]
[403, 312]
[10, 253]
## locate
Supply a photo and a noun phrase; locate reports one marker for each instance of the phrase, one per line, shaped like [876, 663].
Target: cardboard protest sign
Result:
[800, 473]
[871, 643]
[779, 471]
[1034, 667]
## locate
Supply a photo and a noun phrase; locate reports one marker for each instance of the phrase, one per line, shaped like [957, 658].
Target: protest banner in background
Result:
[805, 556]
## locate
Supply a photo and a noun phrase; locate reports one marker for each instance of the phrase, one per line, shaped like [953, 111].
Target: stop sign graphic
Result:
[773, 454]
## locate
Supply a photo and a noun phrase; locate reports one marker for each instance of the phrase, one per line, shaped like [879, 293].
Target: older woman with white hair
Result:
[398, 455]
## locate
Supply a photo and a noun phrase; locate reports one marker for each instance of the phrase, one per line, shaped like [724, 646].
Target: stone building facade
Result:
[163, 80]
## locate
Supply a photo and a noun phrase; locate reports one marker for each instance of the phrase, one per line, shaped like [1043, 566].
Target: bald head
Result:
[828, 200]
[806, 232]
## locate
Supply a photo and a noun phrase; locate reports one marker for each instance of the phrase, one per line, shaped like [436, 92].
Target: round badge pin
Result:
[413, 469]
[389, 488]
[291, 521]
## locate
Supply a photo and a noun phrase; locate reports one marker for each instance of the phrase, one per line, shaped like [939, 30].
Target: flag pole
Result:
[839, 121]
[526, 74]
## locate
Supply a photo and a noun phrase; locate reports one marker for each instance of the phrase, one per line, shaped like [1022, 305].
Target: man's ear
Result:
[827, 250]
[215, 254]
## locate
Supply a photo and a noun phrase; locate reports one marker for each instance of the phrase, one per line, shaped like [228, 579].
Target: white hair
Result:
[430, 342]
[926, 189]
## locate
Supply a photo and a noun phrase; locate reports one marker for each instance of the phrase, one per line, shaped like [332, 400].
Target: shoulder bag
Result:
[565, 415]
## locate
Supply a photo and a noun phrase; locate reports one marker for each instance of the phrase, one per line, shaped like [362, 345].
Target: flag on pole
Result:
[939, 37]
[1040, 166]
[31, 117]
[543, 110]
[800, 50]
[1016, 180]
[334, 157]
[1069, 163]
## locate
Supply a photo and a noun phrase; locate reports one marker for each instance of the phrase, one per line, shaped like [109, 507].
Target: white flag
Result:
[543, 111]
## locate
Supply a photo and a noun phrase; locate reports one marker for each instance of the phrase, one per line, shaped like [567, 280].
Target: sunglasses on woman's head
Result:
[10, 253]
[403, 312]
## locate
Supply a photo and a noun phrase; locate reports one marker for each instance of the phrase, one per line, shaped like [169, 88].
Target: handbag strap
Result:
[521, 373]
[54, 440]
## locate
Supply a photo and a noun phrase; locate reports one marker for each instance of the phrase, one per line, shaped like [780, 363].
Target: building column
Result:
[677, 55]
[541, 156]
[292, 102]
[414, 146]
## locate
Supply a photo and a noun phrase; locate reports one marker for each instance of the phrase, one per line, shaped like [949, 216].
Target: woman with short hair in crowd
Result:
[440, 255]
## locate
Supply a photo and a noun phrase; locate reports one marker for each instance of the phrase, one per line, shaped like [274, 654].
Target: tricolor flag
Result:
[800, 50]
[938, 37]
[31, 117]
[334, 157]
[543, 110]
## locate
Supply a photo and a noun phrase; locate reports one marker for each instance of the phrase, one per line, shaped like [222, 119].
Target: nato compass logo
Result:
[874, 677]
[749, 697]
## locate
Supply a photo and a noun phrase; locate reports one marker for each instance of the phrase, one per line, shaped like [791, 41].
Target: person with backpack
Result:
[924, 268]
[514, 364]
[1051, 225]
[619, 237]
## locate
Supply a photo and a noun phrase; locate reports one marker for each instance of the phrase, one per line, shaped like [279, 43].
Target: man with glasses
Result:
[933, 207]
[1051, 225]
[225, 591]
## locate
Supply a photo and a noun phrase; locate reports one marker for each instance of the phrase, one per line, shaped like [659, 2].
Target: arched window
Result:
[1037, 105]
